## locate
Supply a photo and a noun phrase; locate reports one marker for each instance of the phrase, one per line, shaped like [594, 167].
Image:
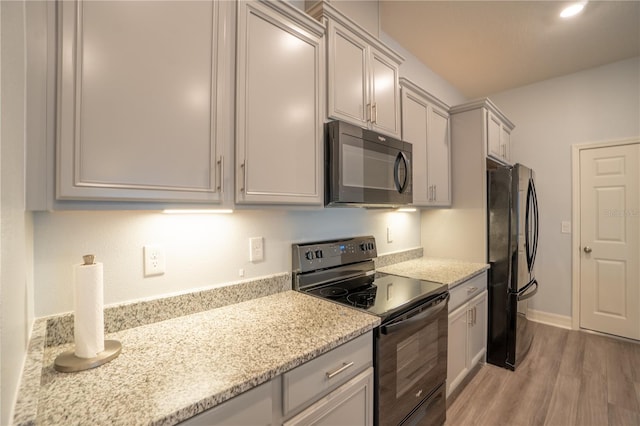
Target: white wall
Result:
[599, 104]
[201, 250]
[16, 280]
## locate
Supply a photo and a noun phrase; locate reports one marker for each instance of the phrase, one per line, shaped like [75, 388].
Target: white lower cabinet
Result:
[350, 404]
[467, 329]
[335, 388]
[253, 407]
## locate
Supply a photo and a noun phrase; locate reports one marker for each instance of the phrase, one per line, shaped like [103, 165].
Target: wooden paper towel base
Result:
[68, 362]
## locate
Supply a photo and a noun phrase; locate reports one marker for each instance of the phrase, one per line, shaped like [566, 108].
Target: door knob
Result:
[587, 249]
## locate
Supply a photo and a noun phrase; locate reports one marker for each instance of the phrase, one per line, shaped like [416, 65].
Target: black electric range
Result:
[410, 345]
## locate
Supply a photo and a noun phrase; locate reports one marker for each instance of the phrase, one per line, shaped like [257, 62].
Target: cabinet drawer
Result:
[467, 290]
[305, 384]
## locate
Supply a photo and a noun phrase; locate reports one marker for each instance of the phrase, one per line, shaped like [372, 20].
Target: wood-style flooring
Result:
[568, 378]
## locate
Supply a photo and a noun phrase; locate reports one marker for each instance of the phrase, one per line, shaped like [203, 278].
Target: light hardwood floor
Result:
[568, 378]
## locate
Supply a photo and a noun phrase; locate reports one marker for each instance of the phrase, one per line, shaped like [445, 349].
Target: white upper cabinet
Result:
[144, 101]
[425, 124]
[363, 78]
[495, 131]
[498, 137]
[279, 105]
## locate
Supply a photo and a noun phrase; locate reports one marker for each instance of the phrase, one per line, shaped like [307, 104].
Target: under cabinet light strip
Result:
[197, 211]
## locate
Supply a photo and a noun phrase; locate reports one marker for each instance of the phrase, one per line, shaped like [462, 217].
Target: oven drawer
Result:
[467, 290]
[307, 383]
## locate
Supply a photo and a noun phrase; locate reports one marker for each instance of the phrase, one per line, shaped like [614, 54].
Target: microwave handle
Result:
[396, 172]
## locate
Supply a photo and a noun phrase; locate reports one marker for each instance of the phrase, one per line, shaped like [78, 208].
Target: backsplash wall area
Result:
[201, 250]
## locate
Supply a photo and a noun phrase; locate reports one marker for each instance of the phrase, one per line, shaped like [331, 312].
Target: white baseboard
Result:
[555, 320]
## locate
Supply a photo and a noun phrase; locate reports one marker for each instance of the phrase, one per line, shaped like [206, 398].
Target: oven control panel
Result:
[326, 254]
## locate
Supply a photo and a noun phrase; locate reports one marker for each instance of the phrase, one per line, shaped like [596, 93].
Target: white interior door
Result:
[609, 235]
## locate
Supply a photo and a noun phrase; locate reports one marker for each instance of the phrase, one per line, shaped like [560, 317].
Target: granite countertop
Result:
[445, 271]
[174, 369]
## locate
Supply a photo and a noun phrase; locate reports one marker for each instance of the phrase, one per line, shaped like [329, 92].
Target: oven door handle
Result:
[416, 315]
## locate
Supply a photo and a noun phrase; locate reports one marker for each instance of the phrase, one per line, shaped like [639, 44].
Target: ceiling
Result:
[485, 47]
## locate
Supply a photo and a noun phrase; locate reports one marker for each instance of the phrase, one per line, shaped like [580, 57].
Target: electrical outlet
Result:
[154, 262]
[566, 227]
[256, 249]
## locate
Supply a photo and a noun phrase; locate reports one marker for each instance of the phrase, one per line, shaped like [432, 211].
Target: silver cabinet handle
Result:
[374, 113]
[587, 249]
[471, 289]
[332, 374]
[221, 177]
[435, 192]
[244, 176]
[369, 113]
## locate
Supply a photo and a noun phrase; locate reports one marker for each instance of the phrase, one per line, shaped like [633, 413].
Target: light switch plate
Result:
[566, 227]
[256, 249]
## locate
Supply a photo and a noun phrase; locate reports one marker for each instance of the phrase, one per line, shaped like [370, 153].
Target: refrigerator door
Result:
[502, 252]
[523, 286]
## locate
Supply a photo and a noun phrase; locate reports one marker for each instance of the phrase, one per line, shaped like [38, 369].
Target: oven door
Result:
[368, 169]
[411, 360]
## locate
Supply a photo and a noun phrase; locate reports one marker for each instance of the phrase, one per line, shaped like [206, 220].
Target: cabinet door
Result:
[505, 142]
[477, 329]
[350, 404]
[385, 94]
[348, 81]
[439, 157]
[253, 407]
[279, 118]
[457, 347]
[137, 101]
[415, 113]
[494, 129]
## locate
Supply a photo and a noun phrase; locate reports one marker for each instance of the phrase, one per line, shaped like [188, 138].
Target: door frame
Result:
[575, 218]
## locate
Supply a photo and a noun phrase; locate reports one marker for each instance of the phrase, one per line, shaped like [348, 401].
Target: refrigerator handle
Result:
[537, 219]
[531, 225]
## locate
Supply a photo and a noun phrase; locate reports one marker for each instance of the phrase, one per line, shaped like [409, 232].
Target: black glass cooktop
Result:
[382, 294]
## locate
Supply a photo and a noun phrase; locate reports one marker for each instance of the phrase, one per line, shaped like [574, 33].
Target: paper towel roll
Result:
[89, 311]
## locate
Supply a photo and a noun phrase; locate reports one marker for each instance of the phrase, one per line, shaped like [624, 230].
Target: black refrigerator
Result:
[512, 245]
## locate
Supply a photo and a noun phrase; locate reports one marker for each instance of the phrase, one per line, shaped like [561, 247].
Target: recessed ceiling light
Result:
[572, 10]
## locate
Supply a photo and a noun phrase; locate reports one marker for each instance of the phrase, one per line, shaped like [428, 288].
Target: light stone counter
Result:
[445, 271]
[171, 370]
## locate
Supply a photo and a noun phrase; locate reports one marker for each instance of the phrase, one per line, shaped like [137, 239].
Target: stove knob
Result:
[309, 255]
[319, 254]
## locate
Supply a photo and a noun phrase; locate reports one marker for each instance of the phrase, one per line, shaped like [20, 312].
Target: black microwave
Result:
[364, 168]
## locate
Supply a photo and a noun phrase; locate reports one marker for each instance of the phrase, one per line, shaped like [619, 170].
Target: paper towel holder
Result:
[69, 362]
